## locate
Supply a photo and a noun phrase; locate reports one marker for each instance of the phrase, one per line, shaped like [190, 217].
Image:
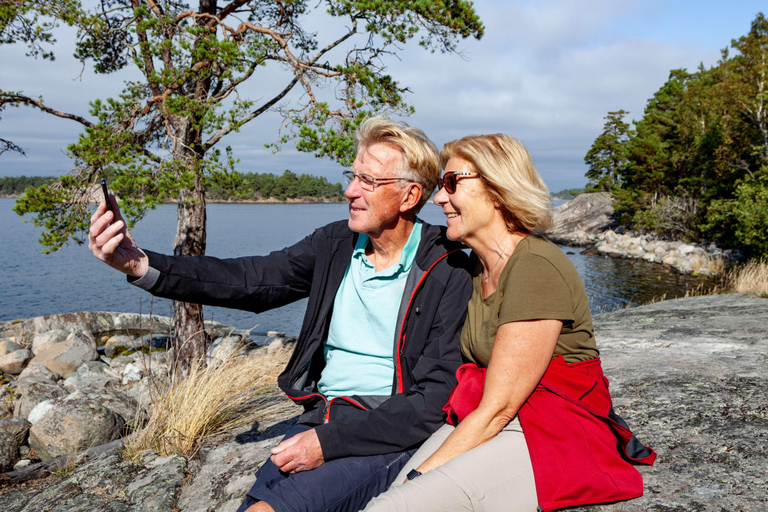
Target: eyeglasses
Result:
[451, 179]
[367, 181]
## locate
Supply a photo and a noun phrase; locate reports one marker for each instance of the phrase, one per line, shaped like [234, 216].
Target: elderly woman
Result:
[531, 424]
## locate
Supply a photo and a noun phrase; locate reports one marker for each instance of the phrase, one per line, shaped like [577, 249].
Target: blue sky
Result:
[546, 73]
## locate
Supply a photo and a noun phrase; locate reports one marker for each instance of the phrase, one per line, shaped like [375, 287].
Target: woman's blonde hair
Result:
[421, 159]
[509, 176]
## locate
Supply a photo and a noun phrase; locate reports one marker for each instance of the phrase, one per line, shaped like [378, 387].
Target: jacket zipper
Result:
[401, 338]
[327, 407]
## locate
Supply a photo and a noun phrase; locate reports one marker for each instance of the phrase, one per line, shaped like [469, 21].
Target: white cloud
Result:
[545, 72]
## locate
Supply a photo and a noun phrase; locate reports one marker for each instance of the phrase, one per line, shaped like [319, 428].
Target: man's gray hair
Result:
[421, 158]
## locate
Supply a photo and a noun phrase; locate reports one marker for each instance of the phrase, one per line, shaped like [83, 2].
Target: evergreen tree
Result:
[607, 156]
[160, 136]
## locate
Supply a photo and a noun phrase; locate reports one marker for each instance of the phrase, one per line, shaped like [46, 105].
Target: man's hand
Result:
[301, 452]
[113, 244]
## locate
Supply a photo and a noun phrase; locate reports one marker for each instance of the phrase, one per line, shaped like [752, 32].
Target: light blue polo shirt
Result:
[359, 350]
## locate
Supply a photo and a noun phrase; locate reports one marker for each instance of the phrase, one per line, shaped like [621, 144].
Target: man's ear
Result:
[412, 197]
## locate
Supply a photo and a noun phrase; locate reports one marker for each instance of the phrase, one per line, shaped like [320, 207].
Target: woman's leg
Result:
[493, 477]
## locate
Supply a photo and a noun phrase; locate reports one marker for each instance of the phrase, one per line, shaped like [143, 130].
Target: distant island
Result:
[568, 193]
[237, 187]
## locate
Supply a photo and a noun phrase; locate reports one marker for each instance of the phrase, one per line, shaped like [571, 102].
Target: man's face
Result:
[371, 212]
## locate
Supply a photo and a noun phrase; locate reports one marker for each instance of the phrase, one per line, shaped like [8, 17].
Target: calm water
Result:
[71, 280]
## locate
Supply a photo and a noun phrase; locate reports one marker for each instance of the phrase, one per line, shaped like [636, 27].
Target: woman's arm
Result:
[521, 353]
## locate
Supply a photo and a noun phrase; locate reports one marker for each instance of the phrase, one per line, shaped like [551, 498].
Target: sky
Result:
[546, 72]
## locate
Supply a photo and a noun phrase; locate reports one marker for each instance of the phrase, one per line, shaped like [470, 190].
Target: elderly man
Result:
[378, 348]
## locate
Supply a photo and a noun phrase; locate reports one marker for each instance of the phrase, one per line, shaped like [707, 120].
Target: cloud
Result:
[546, 72]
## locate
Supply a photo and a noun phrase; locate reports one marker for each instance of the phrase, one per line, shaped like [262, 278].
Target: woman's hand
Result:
[521, 354]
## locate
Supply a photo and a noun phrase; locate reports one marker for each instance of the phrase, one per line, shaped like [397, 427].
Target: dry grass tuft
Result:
[751, 277]
[210, 401]
[711, 265]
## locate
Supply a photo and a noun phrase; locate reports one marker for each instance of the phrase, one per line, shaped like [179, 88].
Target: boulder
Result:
[40, 410]
[587, 213]
[32, 393]
[7, 346]
[38, 372]
[224, 348]
[92, 375]
[66, 356]
[13, 434]
[74, 425]
[116, 401]
[14, 362]
[48, 338]
[119, 344]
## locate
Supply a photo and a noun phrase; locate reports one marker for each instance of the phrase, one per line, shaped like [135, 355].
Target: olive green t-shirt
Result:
[538, 282]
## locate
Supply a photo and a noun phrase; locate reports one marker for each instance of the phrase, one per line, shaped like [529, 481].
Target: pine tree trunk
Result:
[189, 337]
[190, 340]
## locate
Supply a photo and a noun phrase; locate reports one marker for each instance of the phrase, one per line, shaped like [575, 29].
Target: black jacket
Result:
[426, 348]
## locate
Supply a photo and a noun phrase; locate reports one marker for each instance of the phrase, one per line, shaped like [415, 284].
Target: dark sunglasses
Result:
[450, 180]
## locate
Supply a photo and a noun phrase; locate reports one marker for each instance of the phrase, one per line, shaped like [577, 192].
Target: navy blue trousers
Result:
[339, 485]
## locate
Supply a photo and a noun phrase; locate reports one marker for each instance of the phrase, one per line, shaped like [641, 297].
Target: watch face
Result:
[413, 474]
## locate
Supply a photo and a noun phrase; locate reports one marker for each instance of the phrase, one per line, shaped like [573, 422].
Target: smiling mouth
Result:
[451, 215]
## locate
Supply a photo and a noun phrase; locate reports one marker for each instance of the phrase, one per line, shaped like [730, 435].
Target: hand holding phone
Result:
[105, 190]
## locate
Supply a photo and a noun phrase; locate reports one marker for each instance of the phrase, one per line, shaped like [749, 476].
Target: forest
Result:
[695, 166]
[235, 186]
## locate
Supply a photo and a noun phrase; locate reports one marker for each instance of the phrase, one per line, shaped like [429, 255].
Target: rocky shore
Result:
[688, 375]
[588, 221]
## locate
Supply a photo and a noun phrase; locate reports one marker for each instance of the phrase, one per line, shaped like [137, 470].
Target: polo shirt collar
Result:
[406, 257]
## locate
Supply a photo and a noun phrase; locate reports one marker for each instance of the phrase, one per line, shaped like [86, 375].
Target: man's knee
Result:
[260, 506]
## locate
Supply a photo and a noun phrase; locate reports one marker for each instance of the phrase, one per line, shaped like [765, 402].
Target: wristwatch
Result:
[413, 474]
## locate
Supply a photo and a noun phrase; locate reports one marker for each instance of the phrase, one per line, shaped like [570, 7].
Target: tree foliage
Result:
[161, 135]
[697, 161]
[607, 155]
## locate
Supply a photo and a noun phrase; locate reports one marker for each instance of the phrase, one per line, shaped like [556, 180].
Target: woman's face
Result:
[470, 208]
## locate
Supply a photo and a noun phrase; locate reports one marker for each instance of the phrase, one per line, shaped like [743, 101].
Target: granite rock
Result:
[74, 425]
[13, 434]
[33, 393]
[65, 357]
[14, 362]
[38, 372]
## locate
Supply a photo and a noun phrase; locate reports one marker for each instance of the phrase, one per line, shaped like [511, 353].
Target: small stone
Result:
[7, 346]
[45, 339]
[14, 362]
[23, 463]
[38, 372]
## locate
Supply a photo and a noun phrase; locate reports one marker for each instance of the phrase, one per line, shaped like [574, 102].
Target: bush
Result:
[210, 401]
[745, 217]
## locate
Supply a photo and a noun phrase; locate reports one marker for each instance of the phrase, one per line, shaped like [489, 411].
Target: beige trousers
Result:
[494, 477]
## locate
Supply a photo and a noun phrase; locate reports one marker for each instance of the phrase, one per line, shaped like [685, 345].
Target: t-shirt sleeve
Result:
[535, 289]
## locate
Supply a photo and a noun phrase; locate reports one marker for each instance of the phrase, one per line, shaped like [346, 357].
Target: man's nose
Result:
[353, 189]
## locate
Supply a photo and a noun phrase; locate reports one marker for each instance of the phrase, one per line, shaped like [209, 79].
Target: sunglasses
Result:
[450, 180]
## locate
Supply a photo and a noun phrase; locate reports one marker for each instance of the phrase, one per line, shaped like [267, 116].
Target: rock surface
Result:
[13, 434]
[587, 221]
[33, 393]
[14, 362]
[65, 357]
[688, 375]
[72, 425]
[585, 214]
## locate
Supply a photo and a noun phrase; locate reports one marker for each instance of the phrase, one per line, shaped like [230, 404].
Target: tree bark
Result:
[189, 337]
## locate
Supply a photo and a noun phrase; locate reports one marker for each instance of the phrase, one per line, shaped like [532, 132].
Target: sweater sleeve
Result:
[254, 283]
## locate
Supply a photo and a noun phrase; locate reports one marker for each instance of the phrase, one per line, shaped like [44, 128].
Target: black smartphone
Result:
[105, 190]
